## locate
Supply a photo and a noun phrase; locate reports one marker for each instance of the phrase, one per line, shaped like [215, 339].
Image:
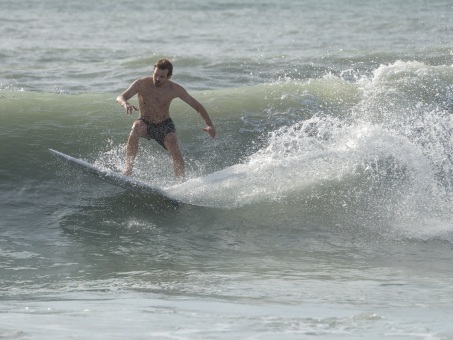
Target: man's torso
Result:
[154, 102]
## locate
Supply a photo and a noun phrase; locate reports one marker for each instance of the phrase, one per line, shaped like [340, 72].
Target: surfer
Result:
[155, 94]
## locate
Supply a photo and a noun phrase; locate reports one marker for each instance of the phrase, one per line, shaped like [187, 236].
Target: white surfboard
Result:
[115, 178]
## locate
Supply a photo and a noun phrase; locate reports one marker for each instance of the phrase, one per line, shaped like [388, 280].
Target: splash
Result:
[387, 162]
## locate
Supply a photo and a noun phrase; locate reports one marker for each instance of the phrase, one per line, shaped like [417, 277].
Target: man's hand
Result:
[211, 130]
[129, 108]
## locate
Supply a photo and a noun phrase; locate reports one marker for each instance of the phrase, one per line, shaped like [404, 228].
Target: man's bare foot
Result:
[127, 172]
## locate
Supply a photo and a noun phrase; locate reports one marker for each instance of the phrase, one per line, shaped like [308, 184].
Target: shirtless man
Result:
[155, 94]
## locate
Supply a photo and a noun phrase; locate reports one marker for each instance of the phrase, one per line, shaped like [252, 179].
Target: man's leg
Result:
[139, 129]
[171, 143]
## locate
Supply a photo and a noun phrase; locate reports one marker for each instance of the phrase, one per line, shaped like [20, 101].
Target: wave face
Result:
[376, 151]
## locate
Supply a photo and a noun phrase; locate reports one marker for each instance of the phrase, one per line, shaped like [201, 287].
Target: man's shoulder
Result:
[175, 87]
[141, 82]
[144, 80]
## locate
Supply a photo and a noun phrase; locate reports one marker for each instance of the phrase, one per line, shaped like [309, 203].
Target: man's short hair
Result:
[165, 64]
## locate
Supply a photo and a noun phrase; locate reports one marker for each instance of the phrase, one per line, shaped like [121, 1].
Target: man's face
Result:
[160, 77]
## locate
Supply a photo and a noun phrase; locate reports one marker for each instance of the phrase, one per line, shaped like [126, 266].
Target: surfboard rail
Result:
[113, 177]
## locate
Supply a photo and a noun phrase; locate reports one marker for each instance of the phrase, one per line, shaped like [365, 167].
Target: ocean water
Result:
[323, 209]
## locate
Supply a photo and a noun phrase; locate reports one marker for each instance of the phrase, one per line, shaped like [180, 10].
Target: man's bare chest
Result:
[156, 97]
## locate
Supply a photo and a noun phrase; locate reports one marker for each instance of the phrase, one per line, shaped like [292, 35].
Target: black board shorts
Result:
[158, 131]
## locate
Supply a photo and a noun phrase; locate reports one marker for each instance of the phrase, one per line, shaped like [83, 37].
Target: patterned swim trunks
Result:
[158, 131]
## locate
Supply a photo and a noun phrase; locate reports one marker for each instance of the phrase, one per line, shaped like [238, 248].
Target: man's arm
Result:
[196, 105]
[128, 94]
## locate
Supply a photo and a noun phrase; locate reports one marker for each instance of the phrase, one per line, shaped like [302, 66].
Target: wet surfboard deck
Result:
[115, 178]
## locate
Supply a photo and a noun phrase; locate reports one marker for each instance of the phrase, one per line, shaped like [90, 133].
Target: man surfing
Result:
[154, 95]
